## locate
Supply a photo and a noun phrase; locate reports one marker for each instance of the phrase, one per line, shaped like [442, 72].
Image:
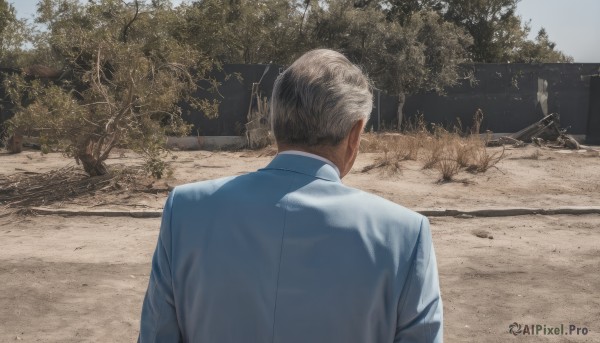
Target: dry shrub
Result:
[446, 151]
[373, 142]
[448, 167]
[448, 148]
[464, 154]
[437, 146]
[401, 145]
[433, 152]
[258, 129]
[465, 150]
[407, 147]
[449, 153]
[416, 124]
[395, 147]
[484, 160]
[387, 164]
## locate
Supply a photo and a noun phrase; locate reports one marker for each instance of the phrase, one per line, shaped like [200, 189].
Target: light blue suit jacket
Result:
[289, 254]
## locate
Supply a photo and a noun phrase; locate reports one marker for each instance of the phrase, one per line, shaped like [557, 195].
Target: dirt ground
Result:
[82, 279]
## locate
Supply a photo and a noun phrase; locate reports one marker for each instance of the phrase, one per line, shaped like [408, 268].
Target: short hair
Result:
[318, 99]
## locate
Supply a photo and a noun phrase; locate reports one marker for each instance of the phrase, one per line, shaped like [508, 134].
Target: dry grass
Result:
[395, 148]
[465, 149]
[402, 147]
[433, 150]
[258, 129]
[386, 164]
[484, 160]
[442, 150]
[448, 168]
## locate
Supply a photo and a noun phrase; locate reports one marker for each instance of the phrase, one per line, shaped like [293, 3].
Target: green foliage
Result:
[127, 77]
[128, 63]
[419, 53]
[14, 33]
[402, 10]
[260, 31]
[7, 16]
[406, 46]
[542, 50]
[499, 35]
[491, 23]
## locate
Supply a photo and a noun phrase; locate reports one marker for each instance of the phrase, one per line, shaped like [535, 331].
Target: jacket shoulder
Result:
[385, 207]
[200, 189]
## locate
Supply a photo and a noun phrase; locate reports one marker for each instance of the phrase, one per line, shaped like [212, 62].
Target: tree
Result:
[405, 46]
[499, 35]
[421, 54]
[489, 22]
[402, 10]
[244, 31]
[14, 33]
[124, 76]
[542, 50]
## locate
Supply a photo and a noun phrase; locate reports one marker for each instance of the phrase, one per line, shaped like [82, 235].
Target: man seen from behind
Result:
[289, 254]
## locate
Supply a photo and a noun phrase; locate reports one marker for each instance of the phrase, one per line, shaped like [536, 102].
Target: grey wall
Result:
[508, 96]
[593, 127]
[234, 95]
[506, 93]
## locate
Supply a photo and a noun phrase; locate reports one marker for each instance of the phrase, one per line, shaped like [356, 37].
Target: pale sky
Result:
[574, 25]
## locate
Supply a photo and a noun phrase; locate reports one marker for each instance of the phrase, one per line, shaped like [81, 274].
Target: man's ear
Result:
[351, 145]
[354, 136]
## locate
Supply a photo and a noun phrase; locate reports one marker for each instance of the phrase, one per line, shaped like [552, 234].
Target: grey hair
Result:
[318, 99]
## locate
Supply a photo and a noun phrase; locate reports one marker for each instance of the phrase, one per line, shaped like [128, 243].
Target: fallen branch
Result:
[26, 189]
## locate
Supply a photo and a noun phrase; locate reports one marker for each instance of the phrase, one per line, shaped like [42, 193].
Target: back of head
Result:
[318, 99]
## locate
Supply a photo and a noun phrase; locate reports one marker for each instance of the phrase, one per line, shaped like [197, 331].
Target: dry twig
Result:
[36, 189]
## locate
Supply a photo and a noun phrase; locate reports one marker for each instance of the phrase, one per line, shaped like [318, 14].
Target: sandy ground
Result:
[82, 279]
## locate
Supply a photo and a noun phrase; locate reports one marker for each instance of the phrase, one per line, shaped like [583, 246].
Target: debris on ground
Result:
[37, 189]
[544, 133]
[482, 234]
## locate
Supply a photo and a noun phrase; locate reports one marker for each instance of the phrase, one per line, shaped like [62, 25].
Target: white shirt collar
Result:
[308, 154]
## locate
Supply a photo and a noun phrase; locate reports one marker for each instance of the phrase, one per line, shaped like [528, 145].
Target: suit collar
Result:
[308, 154]
[304, 165]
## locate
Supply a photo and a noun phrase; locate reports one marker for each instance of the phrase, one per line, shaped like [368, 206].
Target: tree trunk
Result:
[91, 165]
[15, 143]
[401, 101]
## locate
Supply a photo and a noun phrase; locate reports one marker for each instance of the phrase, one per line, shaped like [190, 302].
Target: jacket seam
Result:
[408, 281]
[161, 245]
[285, 212]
